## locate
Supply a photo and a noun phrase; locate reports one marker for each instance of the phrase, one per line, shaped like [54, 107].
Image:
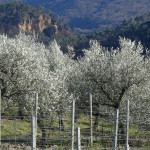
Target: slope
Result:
[92, 15]
[17, 16]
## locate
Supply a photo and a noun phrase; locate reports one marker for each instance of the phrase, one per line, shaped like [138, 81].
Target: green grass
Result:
[22, 128]
[62, 139]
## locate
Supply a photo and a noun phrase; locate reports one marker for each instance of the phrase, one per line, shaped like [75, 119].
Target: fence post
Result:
[116, 129]
[60, 127]
[36, 110]
[33, 132]
[78, 139]
[15, 127]
[34, 122]
[91, 127]
[127, 126]
[72, 124]
[0, 118]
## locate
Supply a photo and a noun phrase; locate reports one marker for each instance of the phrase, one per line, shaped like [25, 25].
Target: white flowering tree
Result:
[109, 75]
[27, 66]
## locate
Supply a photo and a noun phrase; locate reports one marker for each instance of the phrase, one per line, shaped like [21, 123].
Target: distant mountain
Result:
[93, 15]
[16, 16]
[137, 29]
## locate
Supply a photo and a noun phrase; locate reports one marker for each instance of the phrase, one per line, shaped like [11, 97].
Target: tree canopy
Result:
[27, 66]
[111, 75]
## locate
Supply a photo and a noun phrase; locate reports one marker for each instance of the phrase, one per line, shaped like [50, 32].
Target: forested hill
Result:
[16, 16]
[91, 15]
[136, 29]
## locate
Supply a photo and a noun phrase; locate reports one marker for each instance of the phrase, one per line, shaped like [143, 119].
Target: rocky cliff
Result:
[91, 15]
[38, 24]
[15, 17]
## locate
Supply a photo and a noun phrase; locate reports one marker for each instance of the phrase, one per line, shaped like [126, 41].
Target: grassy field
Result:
[16, 133]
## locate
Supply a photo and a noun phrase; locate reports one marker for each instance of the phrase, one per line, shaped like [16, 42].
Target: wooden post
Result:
[33, 132]
[60, 127]
[127, 127]
[15, 126]
[72, 124]
[36, 110]
[116, 129]
[34, 122]
[91, 127]
[78, 139]
[0, 118]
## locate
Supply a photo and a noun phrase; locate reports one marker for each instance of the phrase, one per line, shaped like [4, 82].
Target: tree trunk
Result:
[97, 115]
[122, 133]
[20, 113]
[45, 136]
[61, 124]
[45, 133]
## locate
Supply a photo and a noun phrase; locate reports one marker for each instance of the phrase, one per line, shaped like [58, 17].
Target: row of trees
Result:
[111, 76]
[27, 66]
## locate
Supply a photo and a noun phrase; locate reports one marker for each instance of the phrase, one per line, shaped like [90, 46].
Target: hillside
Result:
[92, 15]
[137, 29]
[15, 17]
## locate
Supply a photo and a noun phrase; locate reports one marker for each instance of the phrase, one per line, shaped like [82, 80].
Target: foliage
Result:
[136, 29]
[89, 16]
[16, 10]
[110, 75]
[14, 14]
[27, 66]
